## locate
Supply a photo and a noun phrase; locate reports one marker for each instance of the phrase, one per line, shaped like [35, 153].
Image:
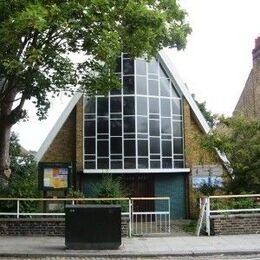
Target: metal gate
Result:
[150, 222]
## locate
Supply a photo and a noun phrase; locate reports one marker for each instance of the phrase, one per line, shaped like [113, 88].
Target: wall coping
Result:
[235, 216]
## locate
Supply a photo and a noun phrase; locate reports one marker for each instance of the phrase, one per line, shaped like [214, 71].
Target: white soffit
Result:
[171, 70]
[56, 128]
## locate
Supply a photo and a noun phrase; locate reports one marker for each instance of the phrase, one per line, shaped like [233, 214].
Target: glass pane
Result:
[152, 76]
[129, 105]
[90, 165]
[129, 85]
[177, 128]
[142, 163]
[116, 157]
[142, 147]
[174, 92]
[130, 163]
[93, 157]
[142, 124]
[102, 148]
[141, 87]
[140, 67]
[154, 127]
[176, 106]
[162, 72]
[153, 87]
[90, 128]
[115, 104]
[154, 145]
[142, 136]
[90, 146]
[116, 91]
[128, 66]
[90, 105]
[166, 125]
[153, 105]
[129, 136]
[102, 106]
[178, 164]
[103, 163]
[116, 145]
[116, 165]
[102, 125]
[155, 164]
[166, 148]
[167, 163]
[165, 87]
[129, 147]
[165, 107]
[141, 105]
[153, 66]
[118, 65]
[129, 124]
[178, 149]
[116, 127]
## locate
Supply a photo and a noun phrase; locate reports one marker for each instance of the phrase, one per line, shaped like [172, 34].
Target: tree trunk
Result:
[7, 120]
[5, 132]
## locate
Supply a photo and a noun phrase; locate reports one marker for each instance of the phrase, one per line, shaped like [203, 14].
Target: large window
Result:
[137, 127]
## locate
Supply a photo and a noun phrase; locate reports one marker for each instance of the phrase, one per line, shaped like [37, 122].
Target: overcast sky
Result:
[214, 65]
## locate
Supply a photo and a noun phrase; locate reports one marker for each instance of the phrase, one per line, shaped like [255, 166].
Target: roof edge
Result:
[57, 126]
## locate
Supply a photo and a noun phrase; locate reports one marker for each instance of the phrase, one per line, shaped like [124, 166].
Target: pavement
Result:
[135, 247]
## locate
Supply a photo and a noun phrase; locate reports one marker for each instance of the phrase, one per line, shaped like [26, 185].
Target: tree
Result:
[23, 181]
[239, 139]
[209, 117]
[37, 39]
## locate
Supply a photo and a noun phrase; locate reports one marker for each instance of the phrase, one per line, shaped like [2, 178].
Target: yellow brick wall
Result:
[195, 154]
[62, 149]
[79, 140]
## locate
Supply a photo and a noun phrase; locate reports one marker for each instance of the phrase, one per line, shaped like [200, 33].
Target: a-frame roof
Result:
[167, 64]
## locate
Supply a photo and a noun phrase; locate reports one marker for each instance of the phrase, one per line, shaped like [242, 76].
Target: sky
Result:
[215, 64]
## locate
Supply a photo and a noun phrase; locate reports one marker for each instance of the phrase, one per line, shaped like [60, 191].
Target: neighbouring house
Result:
[248, 104]
[148, 133]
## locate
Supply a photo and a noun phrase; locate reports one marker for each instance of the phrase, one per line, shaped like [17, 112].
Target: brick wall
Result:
[67, 146]
[79, 135]
[62, 149]
[249, 101]
[42, 227]
[32, 227]
[195, 154]
[243, 224]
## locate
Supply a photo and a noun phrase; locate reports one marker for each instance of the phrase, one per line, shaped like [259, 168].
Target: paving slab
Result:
[134, 247]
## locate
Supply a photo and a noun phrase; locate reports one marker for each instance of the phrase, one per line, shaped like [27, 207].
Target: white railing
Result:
[210, 213]
[151, 222]
[160, 218]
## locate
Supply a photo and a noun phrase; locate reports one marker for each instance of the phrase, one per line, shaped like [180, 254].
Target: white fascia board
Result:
[56, 128]
[179, 84]
[170, 170]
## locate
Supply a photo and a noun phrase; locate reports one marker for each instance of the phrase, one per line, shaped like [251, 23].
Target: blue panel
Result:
[173, 186]
[89, 183]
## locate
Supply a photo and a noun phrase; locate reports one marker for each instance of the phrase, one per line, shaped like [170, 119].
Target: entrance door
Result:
[140, 185]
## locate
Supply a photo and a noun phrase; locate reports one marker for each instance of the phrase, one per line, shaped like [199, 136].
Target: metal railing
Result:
[151, 222]
[207, 205]
[128, 209]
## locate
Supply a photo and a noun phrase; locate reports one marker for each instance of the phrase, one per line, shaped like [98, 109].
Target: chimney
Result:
[256, 50]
